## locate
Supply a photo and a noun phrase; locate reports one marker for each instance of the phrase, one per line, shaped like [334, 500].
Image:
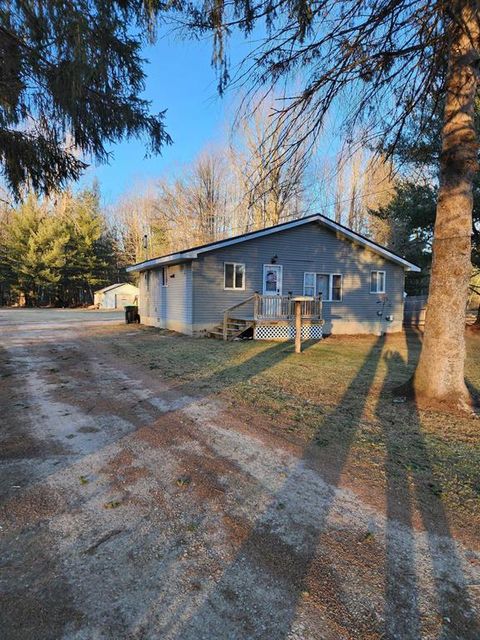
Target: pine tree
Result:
[34, 248]
[71, 80]
[90, 253]
[57, 251]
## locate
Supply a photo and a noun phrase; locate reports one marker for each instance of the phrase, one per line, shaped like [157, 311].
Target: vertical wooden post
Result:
[298, 326]
[225, 320]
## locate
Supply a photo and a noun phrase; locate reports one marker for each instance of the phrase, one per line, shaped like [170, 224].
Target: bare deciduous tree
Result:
[141, 231]
[272, 187]
[364, 181]
[195, 206]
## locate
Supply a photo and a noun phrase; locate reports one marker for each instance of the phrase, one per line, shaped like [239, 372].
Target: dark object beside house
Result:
[131, 314]
[225, 288]
[415, 310]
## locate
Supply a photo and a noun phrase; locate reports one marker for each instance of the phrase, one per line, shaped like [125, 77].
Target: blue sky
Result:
[180, 79]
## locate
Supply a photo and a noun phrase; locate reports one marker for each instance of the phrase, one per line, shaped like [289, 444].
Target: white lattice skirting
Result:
[286, 332]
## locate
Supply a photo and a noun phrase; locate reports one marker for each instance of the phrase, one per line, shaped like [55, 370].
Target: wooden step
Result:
[235, 327]
[218, 331]
[216, 335]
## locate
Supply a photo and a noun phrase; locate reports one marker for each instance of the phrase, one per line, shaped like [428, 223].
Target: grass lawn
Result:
[336, 399]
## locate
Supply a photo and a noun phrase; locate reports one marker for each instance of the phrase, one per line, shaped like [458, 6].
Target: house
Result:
[247, 282]
[116, 296]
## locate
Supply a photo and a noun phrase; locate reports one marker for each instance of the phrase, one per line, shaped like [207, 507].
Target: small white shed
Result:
[116, 296]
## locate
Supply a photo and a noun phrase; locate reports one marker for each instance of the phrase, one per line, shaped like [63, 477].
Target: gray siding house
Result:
[351, 285]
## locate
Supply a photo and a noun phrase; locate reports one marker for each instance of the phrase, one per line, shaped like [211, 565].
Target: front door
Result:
[272, 279]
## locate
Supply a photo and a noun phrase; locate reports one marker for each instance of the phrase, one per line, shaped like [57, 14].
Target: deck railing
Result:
[272, 308]
[283, 308]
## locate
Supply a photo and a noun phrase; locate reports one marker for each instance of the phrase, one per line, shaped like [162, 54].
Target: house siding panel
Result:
[167, 307]
[307, 248]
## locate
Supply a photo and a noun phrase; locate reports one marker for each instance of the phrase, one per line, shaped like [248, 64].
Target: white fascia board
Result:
[175, 258]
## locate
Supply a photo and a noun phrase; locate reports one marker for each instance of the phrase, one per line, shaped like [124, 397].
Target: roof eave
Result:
[159, 262]
[383, 251]
[184, 256]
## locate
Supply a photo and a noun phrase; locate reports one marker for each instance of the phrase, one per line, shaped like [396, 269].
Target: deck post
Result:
[298, 326]
[225, 321]
[255, 306]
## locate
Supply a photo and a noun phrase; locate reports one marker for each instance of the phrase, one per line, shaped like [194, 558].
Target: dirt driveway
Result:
[130, 510]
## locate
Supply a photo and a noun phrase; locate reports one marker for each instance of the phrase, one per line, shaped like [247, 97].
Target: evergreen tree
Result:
[71, 80]
[7, 275]
[34, 250]
[411, 213]
[57, 252]
[90, 252]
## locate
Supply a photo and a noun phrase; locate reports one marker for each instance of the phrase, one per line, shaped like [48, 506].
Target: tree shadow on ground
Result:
[181, 395]
[412, 489]
[139, 414]
[247, 369]
[258, 595]
[259, 591]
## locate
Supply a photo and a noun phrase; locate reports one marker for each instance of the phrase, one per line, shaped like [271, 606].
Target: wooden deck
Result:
[263, 310]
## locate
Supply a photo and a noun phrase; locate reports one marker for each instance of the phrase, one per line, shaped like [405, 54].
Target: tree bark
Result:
[439, 377]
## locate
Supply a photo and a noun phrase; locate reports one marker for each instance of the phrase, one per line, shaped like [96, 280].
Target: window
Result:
[309, 284]
[336, 283]
[377, 282]
[329, 285]
[147, 280]
[234, 275]
[164, 276]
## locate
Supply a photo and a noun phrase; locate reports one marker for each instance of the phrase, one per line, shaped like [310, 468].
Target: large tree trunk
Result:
[439, 377]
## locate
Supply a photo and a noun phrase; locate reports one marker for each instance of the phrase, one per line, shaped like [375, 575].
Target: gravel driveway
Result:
[129, 510]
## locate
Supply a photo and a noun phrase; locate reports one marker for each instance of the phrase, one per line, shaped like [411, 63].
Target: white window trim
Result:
[330, 284]
[376, 293]
[165, 276]
[235, 264]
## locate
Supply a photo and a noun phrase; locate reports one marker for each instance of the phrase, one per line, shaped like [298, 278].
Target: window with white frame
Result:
[377, 281]
[233, 275]
[329, 285]
[164, 276]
